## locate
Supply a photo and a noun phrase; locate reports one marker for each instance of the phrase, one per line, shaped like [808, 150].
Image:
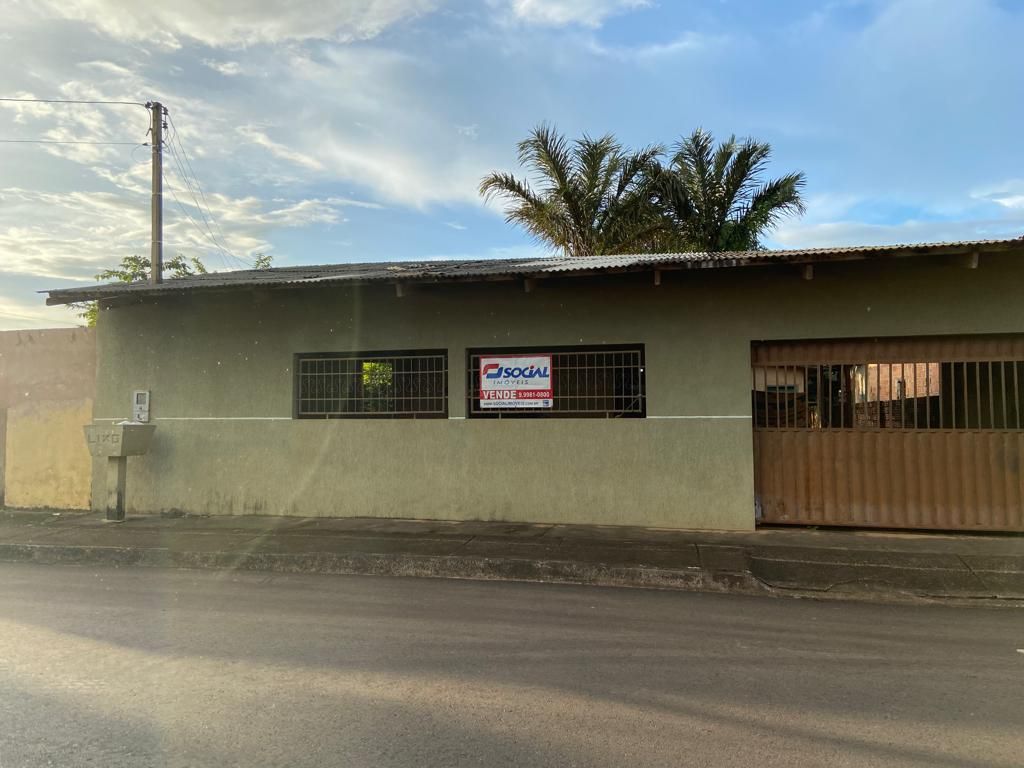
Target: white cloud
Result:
[1009, 194]
[469, 131]
[16, 314]
[235, 23]
[226, 68]
[73, 235]
[853, 233]
[688, 42]
[456, 226]
[258, 137]
[560, 13]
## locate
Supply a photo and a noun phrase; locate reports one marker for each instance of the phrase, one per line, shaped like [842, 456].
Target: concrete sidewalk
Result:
[774, 561]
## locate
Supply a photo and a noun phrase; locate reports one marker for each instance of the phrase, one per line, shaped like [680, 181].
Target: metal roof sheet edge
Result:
[485, 269]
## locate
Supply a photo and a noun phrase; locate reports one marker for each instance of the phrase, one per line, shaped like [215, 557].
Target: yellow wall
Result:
[47, 386]
[48, 464]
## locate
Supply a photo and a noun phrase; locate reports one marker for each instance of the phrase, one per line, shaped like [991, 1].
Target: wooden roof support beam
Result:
[657, 277]
[401, 290]
[971, 260]
[807, 271]
[529, 284]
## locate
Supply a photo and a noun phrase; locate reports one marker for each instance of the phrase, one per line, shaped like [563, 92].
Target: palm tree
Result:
[589, 196]
[715, 200]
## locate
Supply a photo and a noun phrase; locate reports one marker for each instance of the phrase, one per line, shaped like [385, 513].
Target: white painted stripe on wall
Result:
[210, 418]
[289, 418]
[699, 417]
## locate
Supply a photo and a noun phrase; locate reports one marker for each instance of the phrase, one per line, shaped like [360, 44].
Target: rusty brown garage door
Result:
[924, 433]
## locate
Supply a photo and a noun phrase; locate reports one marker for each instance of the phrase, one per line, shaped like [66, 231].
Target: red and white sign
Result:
[515, 381]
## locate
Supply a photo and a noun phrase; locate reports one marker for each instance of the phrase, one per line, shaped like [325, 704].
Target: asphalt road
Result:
[140, 667]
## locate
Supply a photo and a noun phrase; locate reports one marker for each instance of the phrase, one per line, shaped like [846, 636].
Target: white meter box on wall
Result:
[140, 406]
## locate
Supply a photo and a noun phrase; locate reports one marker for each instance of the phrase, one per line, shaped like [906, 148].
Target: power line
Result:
[184, 152]
[76, 141]
[192, 191]
[205, 229]
[205, 233]
[71, 101]
[36, 319]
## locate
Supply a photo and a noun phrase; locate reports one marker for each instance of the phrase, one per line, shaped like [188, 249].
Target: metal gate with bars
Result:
[924, 433]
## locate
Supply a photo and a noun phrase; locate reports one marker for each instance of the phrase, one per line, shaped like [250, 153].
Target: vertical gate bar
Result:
[829, 401]
[941, 389]
[1016, 394]
[841, 395]
[977, 390]
[764, 372]
[817, 392]
[952, 395]
[890, 368]
[991, 399]
[889, 417]
[963, 397]
[878, 389]
[807, 396]
[916, 395]
[1002, 388]
[928, 394]
[903, 395]
[785, 393]
[778, 408]
[796, 396]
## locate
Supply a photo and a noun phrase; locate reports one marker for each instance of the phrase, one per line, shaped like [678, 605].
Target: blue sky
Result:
[358, 131]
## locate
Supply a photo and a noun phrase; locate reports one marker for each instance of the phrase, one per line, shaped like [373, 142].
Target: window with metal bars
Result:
[408, 384]
[910, 396]
[586, 382]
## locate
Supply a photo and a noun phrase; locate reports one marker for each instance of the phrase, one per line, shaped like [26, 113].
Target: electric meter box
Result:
[140, 406]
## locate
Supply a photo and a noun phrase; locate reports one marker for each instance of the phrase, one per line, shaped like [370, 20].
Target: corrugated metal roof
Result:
[491, 269]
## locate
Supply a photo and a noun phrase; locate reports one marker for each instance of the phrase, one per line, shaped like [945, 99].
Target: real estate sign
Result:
[515, 381]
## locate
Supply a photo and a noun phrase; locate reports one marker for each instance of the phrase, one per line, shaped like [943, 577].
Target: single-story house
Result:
[866, 386]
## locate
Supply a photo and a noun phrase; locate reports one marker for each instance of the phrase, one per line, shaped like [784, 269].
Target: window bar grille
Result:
[944, 395]
[587, 382]
[372, 385]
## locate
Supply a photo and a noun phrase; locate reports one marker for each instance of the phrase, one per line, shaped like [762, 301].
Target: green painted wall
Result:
[220, 370]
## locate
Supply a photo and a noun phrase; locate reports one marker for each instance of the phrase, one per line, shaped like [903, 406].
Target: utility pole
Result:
[156, 248]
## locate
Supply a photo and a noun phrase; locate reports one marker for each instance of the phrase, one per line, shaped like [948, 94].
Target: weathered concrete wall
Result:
[46, 463]
[47, 387]
[220, 370]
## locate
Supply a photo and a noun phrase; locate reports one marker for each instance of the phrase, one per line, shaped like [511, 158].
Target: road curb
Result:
[764, 576]
[368, 564]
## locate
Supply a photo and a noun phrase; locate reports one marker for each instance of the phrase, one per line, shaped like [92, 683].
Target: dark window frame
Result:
[365, 355]
[473, 410]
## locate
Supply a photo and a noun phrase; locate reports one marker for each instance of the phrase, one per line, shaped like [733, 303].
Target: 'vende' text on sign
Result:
[515, 381]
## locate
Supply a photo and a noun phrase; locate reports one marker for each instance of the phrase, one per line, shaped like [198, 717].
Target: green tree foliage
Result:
[716, 198]
[590, 196]
[586, 197]
[378, 385]
[135, 269]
